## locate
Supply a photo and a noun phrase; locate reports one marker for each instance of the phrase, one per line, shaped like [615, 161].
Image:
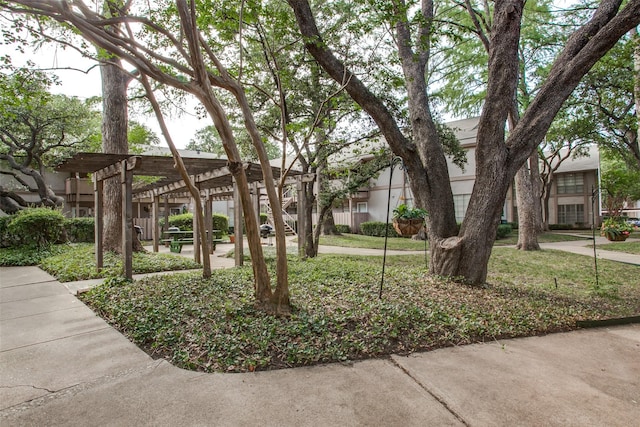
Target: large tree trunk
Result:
[467, 255]
[635, 148]
[528, 201]
[310, 248]
[114, 141]
[329, 225]
[546, 197]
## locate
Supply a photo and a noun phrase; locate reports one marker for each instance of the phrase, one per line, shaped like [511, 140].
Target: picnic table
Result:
[177, 238]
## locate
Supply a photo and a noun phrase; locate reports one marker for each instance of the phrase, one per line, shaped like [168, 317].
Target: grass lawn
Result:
[628, 247]
[404, 244]
[370, 242]
[212, 325]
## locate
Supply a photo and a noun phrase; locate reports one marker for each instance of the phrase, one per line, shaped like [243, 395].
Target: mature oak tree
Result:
[466, 253]
[38, 128]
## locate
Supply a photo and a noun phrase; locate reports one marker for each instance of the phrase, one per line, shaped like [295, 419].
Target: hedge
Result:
[377, 229]
[560, 227]
[183, 221]
[220, 222]
[38, 227]
[503, 231]
[80, 230]
[7, 239]
[343, 228]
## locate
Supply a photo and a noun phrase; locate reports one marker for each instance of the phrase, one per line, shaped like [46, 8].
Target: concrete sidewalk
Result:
[585, 247]
[62, 365]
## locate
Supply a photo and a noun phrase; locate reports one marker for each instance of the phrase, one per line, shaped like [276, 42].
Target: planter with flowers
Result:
[615, 229]
[408, 221]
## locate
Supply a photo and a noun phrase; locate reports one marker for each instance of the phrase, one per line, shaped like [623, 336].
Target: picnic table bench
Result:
[177, 238]
[180, 238]
[175, 245]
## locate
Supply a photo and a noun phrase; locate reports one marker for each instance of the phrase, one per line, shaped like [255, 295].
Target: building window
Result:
[460, 203]
[570, 183]
[570, 214]
[362, 207]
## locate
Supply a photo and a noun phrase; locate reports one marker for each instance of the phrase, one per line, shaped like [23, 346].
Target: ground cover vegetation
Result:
[213, 324]
[76, 261]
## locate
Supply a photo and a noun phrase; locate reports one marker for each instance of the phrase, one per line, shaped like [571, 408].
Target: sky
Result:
[87, 84]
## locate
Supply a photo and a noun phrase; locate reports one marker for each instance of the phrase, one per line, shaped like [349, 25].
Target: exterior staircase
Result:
[288, 198]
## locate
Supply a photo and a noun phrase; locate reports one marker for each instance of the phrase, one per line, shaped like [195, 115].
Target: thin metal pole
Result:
[386, 229]
[426, 238]
[593, 230]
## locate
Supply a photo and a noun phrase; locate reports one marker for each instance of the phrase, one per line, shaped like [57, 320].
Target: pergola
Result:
[211, 176]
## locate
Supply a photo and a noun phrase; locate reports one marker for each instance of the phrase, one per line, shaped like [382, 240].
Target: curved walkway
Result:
[585, 247]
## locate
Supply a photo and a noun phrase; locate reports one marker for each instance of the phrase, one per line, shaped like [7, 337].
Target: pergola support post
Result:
[155, 229]
[77, 183]
[126, 179]
[165, 227]
[255, 199]
[196, 230]
[208, 220]
[98, 187]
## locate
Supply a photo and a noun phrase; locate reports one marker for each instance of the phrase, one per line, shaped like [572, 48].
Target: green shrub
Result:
[220, 222]
[80, 230]
[264, 218]
[7, 239]
[377, 229]
[37, 226]
[560, 227]
[503, 231]
[183, 221]
[343, 228]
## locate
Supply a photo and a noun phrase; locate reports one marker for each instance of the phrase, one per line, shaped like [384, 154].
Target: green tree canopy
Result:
[37, 130]
[620, 182]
